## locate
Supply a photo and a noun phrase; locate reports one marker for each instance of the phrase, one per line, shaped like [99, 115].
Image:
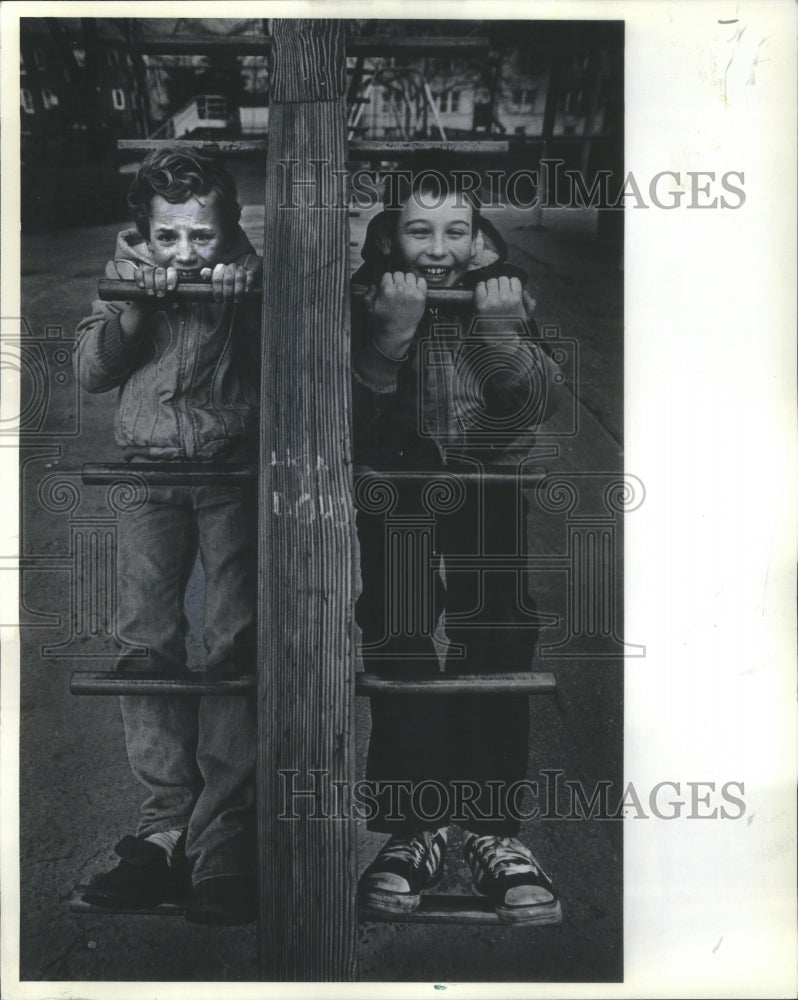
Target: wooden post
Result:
[306, 683]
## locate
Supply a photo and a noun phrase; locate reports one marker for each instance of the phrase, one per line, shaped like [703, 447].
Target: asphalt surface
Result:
[77, 795]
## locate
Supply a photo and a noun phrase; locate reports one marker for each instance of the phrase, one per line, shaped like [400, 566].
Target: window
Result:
[524, 99]
[450, 101]
[49, 99]
[26, 100]
[38, 58]
[80, 56]
[118, 97]
[387, 100]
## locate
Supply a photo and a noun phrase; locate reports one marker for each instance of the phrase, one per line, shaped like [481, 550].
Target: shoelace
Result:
[411, 849]
[503, 854]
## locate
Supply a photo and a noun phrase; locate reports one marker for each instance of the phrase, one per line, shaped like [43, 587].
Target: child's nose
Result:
[185, 251]
[436, 247]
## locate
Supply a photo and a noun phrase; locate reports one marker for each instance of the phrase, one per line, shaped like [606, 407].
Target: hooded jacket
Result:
[188, 385]
[469, 388]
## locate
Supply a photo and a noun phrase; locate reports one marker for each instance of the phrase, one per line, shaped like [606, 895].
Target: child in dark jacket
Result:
[186, 375]
[448, 389]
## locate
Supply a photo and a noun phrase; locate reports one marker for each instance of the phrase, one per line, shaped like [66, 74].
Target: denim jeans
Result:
[459, 740]
[195, 756]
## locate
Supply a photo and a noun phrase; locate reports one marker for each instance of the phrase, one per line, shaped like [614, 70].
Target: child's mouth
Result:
[435, 275]
[190, 275]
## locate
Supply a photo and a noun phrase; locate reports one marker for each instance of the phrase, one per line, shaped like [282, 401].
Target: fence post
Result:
[306, 684]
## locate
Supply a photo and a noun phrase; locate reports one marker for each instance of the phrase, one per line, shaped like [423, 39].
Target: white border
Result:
[710, 360]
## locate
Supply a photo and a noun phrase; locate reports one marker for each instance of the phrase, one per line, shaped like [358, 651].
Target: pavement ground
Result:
[78, 796]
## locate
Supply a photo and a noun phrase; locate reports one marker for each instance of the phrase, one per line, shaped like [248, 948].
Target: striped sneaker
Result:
[393, 881]
[505, 871]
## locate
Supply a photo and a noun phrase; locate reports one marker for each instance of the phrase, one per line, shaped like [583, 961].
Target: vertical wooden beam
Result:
[306, 683]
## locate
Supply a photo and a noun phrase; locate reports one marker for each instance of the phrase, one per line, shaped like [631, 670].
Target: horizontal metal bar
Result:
[434, 296]
[190, 474]
[475, 684]
[363, 149]
[426, 45]
[228, 147]
[358, 149]
[166, 473]
[372, 46]
[193, 683]
[441, 909]
[123, 290]
[197, 683]
[205, 45]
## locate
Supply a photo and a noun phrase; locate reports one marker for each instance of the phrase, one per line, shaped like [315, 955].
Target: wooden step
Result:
[97, 682]
[472, 684]
[196, 683]
[167, 473]
[457, 909]
[358, 149]
[434, 909]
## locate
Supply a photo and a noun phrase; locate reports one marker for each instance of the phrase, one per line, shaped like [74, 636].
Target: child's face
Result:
[435, 243]
[186, 235]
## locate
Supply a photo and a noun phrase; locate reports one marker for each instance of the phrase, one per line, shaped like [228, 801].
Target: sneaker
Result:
[142, 879]
[393, 881]
[223, 901]
[505, 871]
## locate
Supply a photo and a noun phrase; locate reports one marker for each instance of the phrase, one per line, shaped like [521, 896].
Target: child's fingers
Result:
[230, 282]
[480, 295]
[171, 278]
[370, 297]
[529, 303]
[240, 283]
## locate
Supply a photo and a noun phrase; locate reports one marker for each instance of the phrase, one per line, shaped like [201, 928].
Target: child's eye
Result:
[165, 238]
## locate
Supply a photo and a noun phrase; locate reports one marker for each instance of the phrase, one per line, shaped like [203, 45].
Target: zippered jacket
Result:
[470, 388]
[188, 385]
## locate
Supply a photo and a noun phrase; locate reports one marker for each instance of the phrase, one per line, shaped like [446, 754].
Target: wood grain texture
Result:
[306, 65]
[307, 875]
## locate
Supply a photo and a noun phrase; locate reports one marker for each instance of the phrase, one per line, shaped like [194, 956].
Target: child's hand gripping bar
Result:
[435, 296]
[115, 290]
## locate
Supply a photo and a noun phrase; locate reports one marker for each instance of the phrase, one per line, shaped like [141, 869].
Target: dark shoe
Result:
[223, 901]
[405, 865]
[505, 871]
[143, 877]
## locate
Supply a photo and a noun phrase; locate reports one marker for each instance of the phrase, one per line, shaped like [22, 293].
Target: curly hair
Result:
[177, 175]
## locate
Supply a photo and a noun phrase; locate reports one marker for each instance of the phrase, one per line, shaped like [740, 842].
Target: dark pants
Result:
[446, 758]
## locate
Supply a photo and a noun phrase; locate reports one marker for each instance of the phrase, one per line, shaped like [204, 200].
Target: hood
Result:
[131, 246]
[489, 250]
